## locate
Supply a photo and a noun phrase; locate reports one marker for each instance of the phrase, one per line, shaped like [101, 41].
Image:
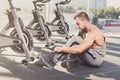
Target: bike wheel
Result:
[61, 28]
[41, 35]
[28, 40]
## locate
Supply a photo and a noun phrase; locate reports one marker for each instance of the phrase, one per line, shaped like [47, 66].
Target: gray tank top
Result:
[101, 51]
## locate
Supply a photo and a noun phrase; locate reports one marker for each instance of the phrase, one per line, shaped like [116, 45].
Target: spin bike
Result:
[37, 26]
[20, 39]
[58, 24]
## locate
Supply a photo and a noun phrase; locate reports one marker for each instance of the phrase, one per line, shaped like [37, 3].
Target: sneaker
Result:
[47, 59]
[59, 57]
[70, 62]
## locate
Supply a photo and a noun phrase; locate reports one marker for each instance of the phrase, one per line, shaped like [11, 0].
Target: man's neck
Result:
[88, 27]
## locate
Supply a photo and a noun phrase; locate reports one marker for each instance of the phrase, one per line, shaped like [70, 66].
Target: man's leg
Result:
[50, 58]
[91, 58]
[69, 60]
[75, 40]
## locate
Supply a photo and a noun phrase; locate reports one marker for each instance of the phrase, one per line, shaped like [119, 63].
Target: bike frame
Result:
[38, 19]
[59, 17]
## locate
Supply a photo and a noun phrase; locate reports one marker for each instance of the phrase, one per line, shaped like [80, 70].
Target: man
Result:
[88, 46]
[91, 47]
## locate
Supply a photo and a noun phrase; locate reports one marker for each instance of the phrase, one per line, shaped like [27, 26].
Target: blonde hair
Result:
[82, 15]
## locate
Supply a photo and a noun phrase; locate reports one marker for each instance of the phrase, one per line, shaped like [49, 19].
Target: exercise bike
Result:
[37, 26]
[58, 24]
[20, 40]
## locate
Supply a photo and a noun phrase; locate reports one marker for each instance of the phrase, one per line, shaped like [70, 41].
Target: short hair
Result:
[82, 15]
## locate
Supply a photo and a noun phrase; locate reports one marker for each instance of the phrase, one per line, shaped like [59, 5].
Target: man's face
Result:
[80, 24]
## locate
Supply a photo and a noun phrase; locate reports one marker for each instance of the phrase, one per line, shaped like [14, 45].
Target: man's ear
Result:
[85, 21]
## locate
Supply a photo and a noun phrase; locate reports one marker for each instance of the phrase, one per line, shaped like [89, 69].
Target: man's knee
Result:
[72, 40]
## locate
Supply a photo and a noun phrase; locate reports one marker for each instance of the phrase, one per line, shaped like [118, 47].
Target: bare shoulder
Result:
[95, 33]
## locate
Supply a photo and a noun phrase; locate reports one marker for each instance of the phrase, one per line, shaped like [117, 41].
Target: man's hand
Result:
[58, 49]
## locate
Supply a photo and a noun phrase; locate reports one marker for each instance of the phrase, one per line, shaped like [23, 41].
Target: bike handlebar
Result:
[64, 2]
[40, 5]
[42, 1]
[45, 1]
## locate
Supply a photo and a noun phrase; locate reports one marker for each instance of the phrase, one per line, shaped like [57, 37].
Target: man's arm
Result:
[77, 49]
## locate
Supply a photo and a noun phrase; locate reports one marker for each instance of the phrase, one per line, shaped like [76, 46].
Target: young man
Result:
[91, 47]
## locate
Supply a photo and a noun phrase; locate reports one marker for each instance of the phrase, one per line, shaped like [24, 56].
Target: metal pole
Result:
[97, 7]
[88, 6]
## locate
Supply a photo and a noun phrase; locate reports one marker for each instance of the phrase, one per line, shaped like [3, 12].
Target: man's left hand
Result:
[58, 49]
